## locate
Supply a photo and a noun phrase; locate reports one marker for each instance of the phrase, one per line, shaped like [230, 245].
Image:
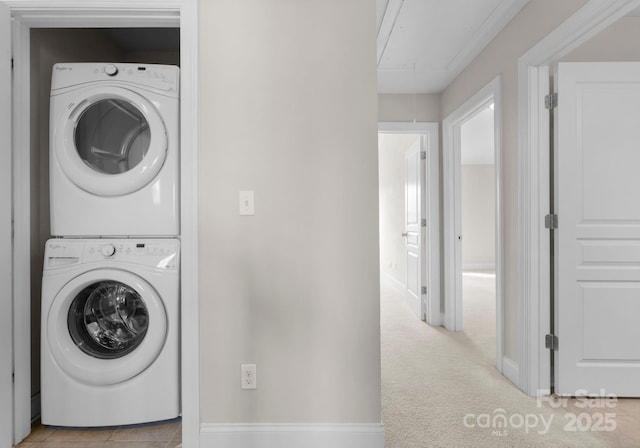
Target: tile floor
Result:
[153, 435]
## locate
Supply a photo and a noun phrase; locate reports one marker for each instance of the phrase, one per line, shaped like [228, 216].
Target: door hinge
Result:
[551, 101]
[551, 341]
[423, 155]
[551, 222]
[423, 222]
[423, 290]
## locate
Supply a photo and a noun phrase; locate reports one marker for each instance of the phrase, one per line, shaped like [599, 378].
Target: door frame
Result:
[6, 224]
[451, 169]
[429, 131]
[533, 181]
[28, 14]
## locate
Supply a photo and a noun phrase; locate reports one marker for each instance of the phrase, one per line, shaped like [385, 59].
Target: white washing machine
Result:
[114, 150]
[110, 332]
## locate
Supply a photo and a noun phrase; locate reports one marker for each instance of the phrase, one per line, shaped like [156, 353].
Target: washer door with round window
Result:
[110, 141]
[106, 326]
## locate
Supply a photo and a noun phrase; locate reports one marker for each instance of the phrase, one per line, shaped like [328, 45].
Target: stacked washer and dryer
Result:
[110, 288]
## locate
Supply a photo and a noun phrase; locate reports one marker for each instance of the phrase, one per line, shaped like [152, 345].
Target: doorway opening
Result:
[408, 160]
[392, 149]
[26, 16]
[534, 251]
[479, 115]
[478, 205]
[49, 46]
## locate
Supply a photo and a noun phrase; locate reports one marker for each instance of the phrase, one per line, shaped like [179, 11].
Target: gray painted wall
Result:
[288, 109]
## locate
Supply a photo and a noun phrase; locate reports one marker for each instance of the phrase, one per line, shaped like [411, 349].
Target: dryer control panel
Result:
[156, 76]
[155, 253]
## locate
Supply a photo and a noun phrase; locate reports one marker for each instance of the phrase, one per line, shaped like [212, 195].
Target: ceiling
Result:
[424, 44]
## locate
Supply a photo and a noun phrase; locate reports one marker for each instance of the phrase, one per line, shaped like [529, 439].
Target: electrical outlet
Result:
[248, 376]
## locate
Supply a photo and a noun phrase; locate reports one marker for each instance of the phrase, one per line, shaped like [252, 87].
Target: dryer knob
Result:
[108, 250]
[111, 70]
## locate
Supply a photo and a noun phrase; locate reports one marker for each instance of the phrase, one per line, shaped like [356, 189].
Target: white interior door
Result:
[414, 238]
[598, 237]
[6, 316]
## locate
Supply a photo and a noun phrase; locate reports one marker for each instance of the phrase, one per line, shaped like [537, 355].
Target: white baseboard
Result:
[393, 281]
[291, 436]
[510, 370]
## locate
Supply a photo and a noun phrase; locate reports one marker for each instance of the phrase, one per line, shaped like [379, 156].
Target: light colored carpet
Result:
[432, 379]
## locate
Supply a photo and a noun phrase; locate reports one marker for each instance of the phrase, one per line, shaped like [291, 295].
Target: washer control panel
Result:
[111, 69]
[108, 250]
[157, 253]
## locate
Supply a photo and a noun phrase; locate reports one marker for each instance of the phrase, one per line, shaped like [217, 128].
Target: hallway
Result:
[441, 389]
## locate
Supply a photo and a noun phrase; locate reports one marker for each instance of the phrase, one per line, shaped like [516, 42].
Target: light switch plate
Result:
[246, 203]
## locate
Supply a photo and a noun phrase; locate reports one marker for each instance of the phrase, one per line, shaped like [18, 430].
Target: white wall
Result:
[392, 173]
[288, 109]
[478, 216]
[536, 20]
[409, 108]
[618, 42]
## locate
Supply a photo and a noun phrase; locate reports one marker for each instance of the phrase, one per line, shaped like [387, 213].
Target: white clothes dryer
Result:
[114, 150]
[110, 332]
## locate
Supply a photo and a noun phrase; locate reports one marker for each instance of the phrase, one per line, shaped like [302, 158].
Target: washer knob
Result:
[111, 70]
[108, 250]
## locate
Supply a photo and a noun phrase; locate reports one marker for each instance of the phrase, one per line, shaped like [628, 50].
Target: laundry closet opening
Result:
[49, 46]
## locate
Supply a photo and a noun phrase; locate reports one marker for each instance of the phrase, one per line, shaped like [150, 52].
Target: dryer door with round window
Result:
[106, 326]
[111, 141]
